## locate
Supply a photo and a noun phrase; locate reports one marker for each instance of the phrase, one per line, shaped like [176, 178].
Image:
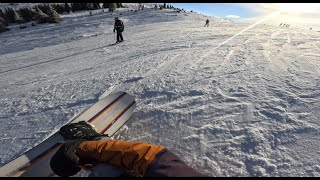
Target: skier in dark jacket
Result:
[141, 159]
[207, 23]
[118, 25]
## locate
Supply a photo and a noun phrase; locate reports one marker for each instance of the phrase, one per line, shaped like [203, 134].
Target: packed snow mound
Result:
[244, 105]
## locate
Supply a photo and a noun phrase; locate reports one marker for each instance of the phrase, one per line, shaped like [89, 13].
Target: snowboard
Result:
[107, 116]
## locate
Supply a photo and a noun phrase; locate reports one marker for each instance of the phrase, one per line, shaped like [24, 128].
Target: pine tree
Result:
[78, 6]
[45, 8]
[119, 5]
[89, 6]
[67, 7]
[96, 5]
[6, 14]
[59, 8]
[3, 21]
[3, 28]
[54, 17]
[40, 16]
[1, 14]
[12, 16]
[27, 13]
[106, 5]
[112, 7]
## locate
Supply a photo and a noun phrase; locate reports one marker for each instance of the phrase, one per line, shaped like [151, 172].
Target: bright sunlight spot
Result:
[299, 7]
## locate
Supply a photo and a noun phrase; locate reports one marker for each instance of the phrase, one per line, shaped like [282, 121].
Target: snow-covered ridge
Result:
[245, 106]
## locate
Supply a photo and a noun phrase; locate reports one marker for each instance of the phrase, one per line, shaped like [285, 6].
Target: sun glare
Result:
[298, 7]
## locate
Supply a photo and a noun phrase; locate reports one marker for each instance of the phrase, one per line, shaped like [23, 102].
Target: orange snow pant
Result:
[145, 159]
[135, 156]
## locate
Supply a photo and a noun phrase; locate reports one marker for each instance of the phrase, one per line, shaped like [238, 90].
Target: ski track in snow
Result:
[247, 106]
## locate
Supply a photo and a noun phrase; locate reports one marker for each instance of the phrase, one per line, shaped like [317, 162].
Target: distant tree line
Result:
[167, 6]
[47, 12]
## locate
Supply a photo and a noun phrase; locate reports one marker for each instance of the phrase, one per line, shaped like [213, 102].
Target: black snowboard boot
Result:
[79, 130]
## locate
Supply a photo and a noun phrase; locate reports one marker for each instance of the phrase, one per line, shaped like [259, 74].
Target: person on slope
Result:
[118, 25]
[140, 159]
[207, 23]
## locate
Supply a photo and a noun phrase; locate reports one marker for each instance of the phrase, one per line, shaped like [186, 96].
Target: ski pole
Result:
[125, 36]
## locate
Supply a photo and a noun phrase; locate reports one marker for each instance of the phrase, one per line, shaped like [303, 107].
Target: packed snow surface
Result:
[244, 105]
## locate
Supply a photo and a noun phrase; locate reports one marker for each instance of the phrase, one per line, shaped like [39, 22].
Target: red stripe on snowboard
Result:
[116, 118]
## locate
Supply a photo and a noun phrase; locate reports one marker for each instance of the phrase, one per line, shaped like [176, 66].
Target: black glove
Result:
[65, 162]
[114, 30]
[79, 130]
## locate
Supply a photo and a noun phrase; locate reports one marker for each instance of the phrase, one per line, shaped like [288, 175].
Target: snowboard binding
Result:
[79, 130]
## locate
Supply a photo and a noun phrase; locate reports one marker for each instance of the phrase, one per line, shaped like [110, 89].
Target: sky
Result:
[295, 14]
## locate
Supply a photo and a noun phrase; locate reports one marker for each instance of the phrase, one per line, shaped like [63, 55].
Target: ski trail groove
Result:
[288, 38]
[316, 47]
[151, 74]
[312, 43]
[314, 65]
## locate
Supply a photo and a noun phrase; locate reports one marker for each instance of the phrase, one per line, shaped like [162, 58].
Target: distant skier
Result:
[119, 26]
[280, 24]
[207, 23]
[135, 158]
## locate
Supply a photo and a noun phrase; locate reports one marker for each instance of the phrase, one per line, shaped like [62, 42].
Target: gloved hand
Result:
[114, 30]
[79, 130]
[65, 162]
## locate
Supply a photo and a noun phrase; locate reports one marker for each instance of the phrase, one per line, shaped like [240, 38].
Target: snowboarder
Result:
[141, 159]
[207, 23]
[118, 25]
